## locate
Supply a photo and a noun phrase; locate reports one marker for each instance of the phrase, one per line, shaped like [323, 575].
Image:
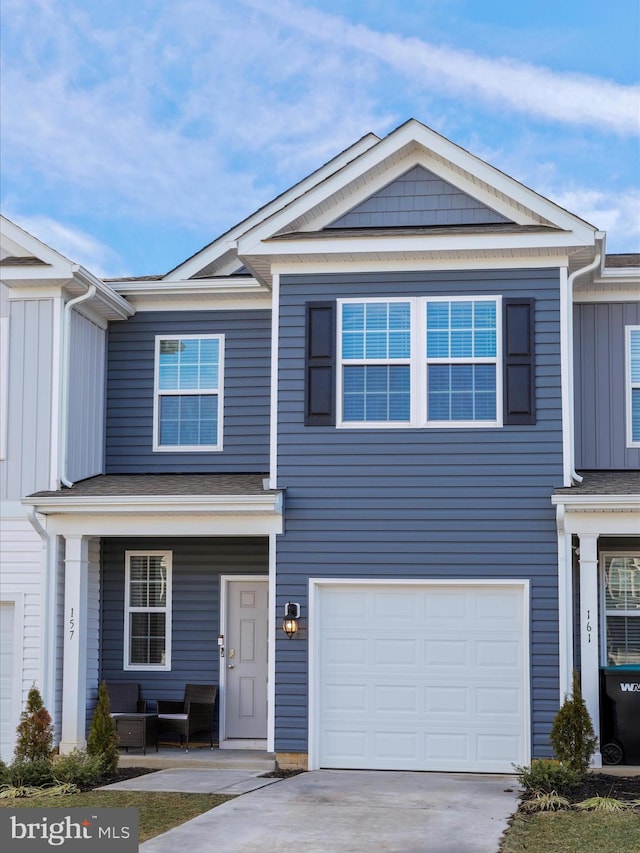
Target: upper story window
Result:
[147, 620]
[188, 393]
[633, 386]
[419, 362]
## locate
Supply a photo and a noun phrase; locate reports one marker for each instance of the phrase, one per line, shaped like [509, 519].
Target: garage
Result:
[419, 675]
[8, 691]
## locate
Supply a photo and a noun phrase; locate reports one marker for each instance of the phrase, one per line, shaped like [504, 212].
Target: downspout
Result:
[47, 643]
[576, 274]
[64, 391]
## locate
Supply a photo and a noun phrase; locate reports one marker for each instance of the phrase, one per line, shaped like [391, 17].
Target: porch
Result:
[200, 757]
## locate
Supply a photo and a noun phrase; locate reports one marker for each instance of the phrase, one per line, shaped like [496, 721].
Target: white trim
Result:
[158, 393]
[611, 295]
[273, 402]
[566, 380]
[589, 651]
[314, 650]
[418, 363]
[272, 629]
[214, 302]
[4, 386]
[630, 386]
[565, 613]
[56, 393]
[128, 609]
[16, 601]
[224, 742]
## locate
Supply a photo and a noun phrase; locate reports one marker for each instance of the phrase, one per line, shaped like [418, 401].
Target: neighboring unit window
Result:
[147, 632]
[462, 369]
[440, 371]
[376, 362]
[622, 608]
[633, 386]
[188, 381]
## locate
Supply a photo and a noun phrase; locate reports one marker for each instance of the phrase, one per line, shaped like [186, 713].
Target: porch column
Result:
[74, 678]
[589, 646]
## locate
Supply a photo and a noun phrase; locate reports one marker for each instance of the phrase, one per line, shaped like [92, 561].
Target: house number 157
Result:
[72, 624]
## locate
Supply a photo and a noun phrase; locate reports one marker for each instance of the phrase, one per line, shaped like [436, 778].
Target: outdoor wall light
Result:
[291, 616]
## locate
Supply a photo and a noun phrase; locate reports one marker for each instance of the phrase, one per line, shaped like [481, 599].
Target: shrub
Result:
[78, 767]
[34, 773]
[572, 735]
[103, 740]
[4, 773]
[547, 776]
[35, 731]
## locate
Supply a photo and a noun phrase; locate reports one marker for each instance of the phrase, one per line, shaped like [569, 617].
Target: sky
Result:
[134, 132]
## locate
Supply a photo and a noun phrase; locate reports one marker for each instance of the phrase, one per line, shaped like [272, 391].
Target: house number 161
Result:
[588, 626]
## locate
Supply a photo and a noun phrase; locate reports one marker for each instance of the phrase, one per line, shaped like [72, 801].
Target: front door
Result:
[245, 660]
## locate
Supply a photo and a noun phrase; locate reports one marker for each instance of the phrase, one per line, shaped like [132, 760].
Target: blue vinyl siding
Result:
[419, 197]
[130, 378]
[457, 503]
[197, 566]
[600, 404]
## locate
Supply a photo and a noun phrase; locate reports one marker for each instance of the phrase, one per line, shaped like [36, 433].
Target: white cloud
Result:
[561, 96]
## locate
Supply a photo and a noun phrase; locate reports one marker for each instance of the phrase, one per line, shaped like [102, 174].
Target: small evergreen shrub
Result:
[30, 773]
[572, 735]
[35, 731]
[103, 740]
[547, 776]
[79, 768]
[4, 773]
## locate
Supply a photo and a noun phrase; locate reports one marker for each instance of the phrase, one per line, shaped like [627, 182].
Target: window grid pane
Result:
[461, 333]
[622, 607]
[148, 594]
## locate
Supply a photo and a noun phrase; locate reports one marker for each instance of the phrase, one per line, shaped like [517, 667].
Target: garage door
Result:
[421, 677]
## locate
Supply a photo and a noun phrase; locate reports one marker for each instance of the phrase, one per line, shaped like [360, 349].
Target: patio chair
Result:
[194, 714]
[124, 698]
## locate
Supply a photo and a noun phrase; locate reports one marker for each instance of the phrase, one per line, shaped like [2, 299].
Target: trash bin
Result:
[620, 714]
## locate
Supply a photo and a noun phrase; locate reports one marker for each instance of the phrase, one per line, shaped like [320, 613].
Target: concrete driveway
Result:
[358, 811]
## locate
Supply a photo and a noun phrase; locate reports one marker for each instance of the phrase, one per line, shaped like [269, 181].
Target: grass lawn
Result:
[159, 811]
[573, 832]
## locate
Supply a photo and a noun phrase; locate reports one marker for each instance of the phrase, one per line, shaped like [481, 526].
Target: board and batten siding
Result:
[131, 352]
[85, 451]
[419, 503]
[600, 392]
[27, 467]
[197, 566]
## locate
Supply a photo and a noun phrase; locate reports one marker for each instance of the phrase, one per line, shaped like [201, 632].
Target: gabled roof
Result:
[30, 264]
[315, 219]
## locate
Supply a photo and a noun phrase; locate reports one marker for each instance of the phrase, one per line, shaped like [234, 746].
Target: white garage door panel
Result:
[424, 677]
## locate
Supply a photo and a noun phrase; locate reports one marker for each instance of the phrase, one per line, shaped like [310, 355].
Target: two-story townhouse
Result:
[357, 408]
[53, 326]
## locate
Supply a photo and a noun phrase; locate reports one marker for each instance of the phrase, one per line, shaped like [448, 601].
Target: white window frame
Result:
[128, 609]
[633, 613]
[418, 365]
[629, 385]
[158, 394]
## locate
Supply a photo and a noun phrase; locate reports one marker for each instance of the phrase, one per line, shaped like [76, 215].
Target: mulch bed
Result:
[121, 775]
[603, 785]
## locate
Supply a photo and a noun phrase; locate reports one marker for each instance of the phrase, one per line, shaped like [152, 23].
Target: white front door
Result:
[245, 659]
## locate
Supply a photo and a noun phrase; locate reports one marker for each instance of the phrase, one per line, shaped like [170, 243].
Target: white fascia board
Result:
[414, 243]
[228, 285]
[261, 302]
[153, 504]
[599, 503]
[619, 294]
[23, 275]
[105, 297]
[160, 524]
[221, 245]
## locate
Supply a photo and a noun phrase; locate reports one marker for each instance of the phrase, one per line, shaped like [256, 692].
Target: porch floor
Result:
[201, 756]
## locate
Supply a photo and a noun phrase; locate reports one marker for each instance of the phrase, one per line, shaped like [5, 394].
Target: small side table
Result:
[137, 730]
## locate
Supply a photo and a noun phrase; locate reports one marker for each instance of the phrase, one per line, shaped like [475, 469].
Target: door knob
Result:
[231, 666]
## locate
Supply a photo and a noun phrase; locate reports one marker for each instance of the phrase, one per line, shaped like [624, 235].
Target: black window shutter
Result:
[519, 364]
[320, 357]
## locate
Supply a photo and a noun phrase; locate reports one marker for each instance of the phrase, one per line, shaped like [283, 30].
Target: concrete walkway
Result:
[345, 810]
